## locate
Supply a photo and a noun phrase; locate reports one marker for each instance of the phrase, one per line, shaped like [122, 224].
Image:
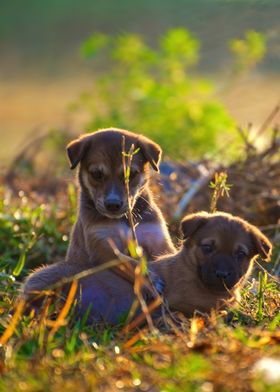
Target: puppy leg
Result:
[105, 243]
[43, 278]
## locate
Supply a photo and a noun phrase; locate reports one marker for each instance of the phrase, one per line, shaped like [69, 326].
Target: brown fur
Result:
[103, 205]
[217, 247]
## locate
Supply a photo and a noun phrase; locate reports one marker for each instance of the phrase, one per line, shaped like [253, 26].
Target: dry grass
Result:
[53, 350]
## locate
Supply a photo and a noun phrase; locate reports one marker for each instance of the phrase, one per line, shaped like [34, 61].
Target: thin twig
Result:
[139, 282]
[267, 121]
[272, 277]
[14, 321]
[90, 271]
[126, 161]
[188, 196]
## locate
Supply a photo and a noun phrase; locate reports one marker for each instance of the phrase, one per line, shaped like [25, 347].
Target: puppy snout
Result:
[222, 274]
[113, 204]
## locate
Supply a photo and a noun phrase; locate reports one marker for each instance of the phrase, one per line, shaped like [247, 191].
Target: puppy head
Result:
[223, 247]
[101, 167]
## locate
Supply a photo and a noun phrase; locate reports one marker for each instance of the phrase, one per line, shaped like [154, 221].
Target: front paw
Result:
[157, 282]
[154, 289]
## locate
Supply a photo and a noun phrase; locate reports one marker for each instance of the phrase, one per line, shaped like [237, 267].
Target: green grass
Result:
[202, 354]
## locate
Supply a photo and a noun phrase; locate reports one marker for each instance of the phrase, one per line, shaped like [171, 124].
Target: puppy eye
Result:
[97, 175]
[207, 248]
[241, 254]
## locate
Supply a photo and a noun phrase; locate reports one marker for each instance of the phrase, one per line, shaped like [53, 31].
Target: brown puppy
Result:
[103, 205]
[216, 257]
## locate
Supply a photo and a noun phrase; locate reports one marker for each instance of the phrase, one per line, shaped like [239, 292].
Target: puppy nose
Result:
[113, 204]
[222, 274]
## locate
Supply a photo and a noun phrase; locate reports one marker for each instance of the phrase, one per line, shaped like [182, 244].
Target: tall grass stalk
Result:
[260, 295]
[220, 188]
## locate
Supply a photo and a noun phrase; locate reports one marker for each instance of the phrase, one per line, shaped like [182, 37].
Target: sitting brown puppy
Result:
[215, 260]
[216, 257]
[103, 205]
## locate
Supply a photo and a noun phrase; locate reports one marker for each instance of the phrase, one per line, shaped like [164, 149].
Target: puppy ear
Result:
[151, 151]
[262, 245]
[191, 223]
[76, 151]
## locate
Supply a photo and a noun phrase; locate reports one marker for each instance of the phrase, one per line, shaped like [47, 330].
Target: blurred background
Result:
[183, 71]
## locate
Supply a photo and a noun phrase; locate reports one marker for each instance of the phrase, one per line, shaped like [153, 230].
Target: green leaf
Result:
[20, 264]
[93, 45]
[181, 45]
[248, 51]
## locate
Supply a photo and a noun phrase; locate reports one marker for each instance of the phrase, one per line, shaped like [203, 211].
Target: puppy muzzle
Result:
[217, 279]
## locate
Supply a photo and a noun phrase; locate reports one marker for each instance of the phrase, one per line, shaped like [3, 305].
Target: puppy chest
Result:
[152, 238]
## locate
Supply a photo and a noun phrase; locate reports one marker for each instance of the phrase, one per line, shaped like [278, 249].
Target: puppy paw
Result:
[156, 288]
[157, 282]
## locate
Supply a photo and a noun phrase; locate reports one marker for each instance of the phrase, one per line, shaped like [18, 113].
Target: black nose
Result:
[222, 274]
[113, 204]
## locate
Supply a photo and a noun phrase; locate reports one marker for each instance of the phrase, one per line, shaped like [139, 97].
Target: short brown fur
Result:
[103, 205]
[216, 258]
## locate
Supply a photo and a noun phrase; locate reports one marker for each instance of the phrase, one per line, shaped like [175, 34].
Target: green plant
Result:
[220, 188]
[260, 296]
[248, 51]
[151, 90]
[30, 234]
[48, 352]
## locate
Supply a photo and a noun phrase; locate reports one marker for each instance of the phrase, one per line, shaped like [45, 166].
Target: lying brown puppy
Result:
[216, 257]
[103, 205]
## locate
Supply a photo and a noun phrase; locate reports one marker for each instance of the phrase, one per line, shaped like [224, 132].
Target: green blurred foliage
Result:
[31, 235]
[153, 91]
[248, 51]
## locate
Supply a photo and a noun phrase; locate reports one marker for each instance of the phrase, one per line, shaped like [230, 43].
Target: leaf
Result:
[136, 151]
[20, 264]
[94, 44]
[180, 44]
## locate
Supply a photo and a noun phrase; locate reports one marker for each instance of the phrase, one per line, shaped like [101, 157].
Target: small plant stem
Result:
[220, 188]
[260, 297]
[138, 284]
[127, 160]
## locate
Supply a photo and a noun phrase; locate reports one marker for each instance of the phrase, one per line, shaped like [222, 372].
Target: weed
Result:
[53, 350]
[220, 188]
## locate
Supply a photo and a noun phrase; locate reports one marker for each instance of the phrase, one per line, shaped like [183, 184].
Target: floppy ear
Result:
[76, 150]
[151, 151]
[262, 245]
[191, 223]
